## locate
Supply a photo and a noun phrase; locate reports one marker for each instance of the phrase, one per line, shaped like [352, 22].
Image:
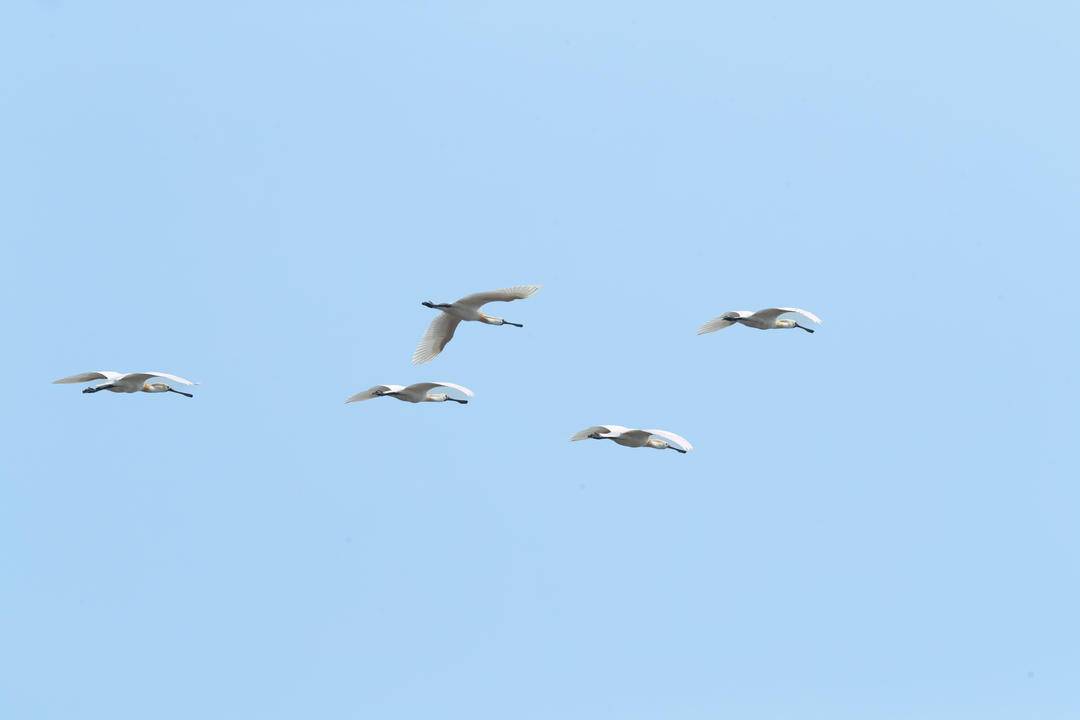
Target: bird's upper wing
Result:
[370, 392]
[771, 314]
[138, 378]
[438, 334]
[677, 439]
[719, 323]
[606, 430]
[518, 292]
[88, 376]
[425, 386]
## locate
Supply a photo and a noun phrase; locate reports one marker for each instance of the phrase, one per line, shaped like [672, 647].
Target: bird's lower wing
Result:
[370, 392]
[805, 313]
[612, 430]
[141, 377]
[518, 292]
[672, 437]
[174, 378]
[719, 323]
[425, 386]
[438, 334]
[88, 376]
[770, 314]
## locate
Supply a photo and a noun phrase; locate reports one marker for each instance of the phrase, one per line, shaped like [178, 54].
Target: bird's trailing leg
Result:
[180, 392]
[429, 304]
[809, 330]
[96, 389]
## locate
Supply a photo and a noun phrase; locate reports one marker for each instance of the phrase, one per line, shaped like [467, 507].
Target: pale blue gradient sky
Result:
[880, 519]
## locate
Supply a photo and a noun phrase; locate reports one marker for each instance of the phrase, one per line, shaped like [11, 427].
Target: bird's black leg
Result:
[96, 389]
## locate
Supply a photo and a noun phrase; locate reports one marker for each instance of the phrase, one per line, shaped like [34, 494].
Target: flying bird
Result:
[126, 382]
[628, 437]
[467, 308]
[767, 319]
[415, 393]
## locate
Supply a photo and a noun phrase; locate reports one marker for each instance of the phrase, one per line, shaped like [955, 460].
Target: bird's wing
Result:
[607, 430]
[518, 292]
[174, 378]
[88, 376]
[677, 439]
[136, 379]
[770, 314]
[438, 334]
[719, 323]
[370, 392]
[425, 386]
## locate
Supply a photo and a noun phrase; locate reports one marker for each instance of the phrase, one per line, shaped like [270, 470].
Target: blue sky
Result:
[879, 519]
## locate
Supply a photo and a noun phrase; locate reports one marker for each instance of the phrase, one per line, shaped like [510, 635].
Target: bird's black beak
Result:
[180, 392]
[809, 330]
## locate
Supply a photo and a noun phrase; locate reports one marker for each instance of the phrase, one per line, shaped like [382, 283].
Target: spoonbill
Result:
[415, 393]
[126, 382]
[628, 437]
[767, 319]
[467, 308]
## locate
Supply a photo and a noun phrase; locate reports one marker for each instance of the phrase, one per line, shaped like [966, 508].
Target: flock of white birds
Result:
[440, 332]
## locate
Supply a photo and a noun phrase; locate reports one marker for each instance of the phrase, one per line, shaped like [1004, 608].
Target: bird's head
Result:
[656, 443]
[785, 323]
[162, 387]
[444, 397]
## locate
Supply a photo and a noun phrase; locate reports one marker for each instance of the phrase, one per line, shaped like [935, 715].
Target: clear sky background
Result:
[879, 521]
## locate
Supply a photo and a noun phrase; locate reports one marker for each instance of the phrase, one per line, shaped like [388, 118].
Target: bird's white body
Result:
[415, 393]
[631, 437]
[125, 382]
[467, 308]
[767, 319]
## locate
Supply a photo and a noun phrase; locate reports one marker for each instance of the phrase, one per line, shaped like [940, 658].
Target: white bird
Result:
[126, 382]
[467, 308]
[415, 393]
[629, 437]
[767, 319]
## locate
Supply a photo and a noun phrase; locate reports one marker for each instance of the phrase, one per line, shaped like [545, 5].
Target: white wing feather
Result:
[370, 392]
[605, 430]
[88, 376]
[719, 323]
[144, 376]
[677, 439]
[438, 334]
[771, 314]
[518, 292]
[425, 386]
